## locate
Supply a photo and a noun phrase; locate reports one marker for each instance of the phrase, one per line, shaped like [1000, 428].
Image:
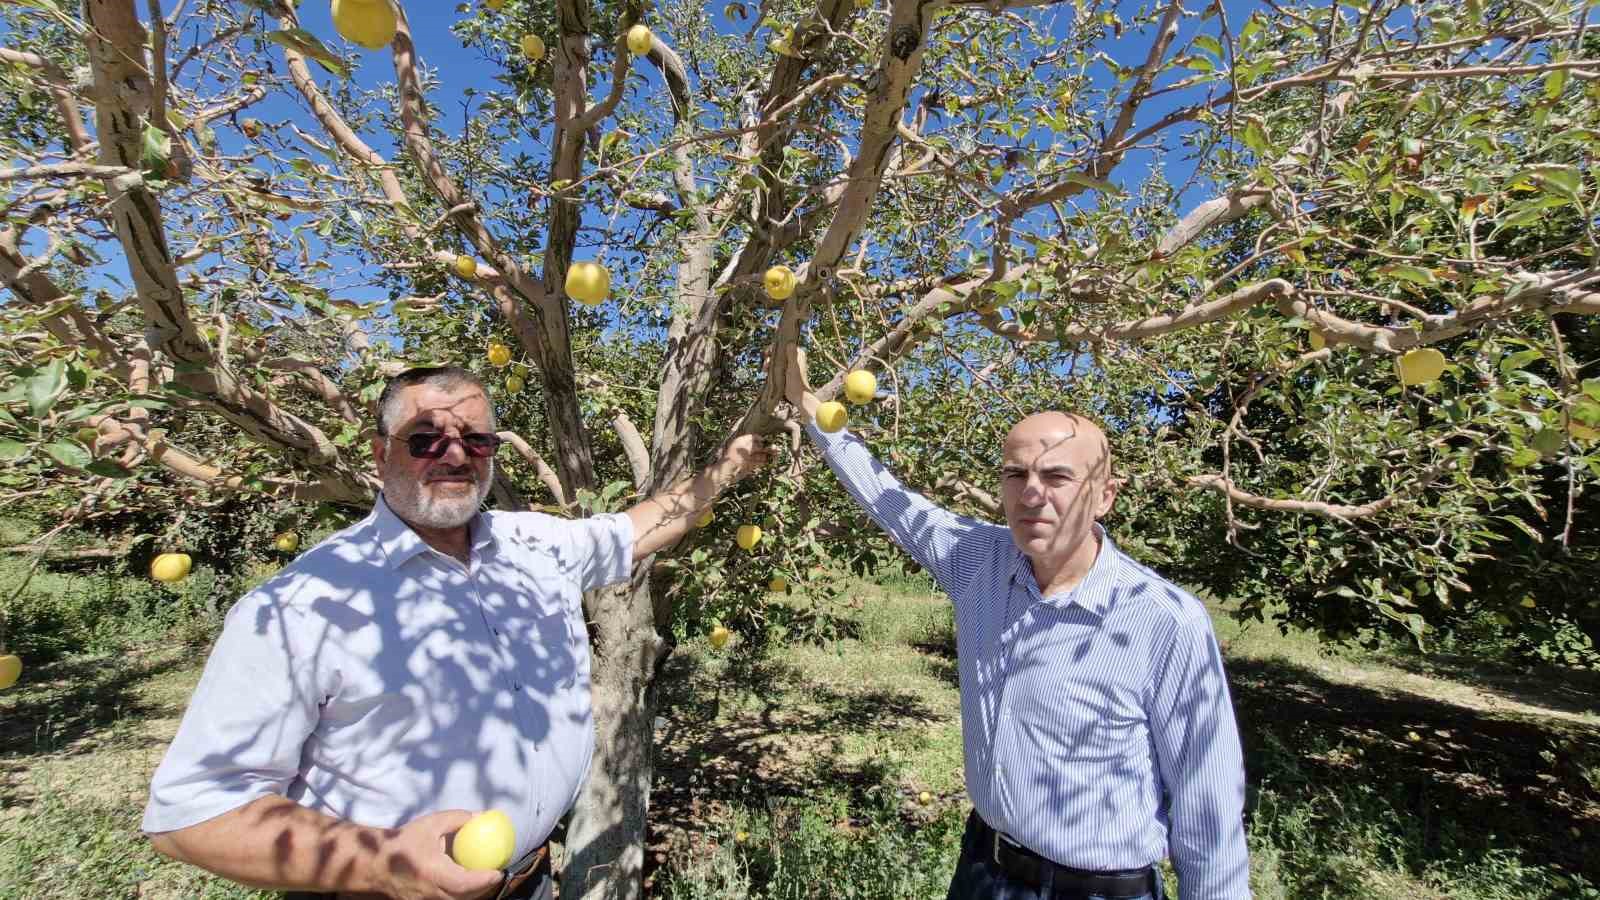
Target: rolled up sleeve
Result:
[603, 548]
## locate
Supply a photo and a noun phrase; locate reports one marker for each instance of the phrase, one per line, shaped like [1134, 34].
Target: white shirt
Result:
[376, 679]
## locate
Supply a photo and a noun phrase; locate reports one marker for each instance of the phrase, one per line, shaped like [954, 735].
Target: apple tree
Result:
[1326, 270]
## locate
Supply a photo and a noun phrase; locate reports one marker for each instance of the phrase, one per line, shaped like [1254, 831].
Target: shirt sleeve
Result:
[242, 735]
[603, 549]
[1200, 764]
[930, 534]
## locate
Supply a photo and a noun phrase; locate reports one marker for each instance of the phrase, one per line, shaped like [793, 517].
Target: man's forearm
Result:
[277, 844]
[659, 521]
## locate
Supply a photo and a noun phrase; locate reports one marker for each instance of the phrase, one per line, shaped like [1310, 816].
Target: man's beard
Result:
[417, 504]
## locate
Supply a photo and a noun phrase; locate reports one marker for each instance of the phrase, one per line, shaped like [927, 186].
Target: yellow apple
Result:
[1318, 341]
[719, 637]
[1420, 366]
[533, 47]
[704, 518]
[860, 386]
[494, 4]
[831, 416]
[778, 584]
[287, 542]
[783, 45]
[740, 837]
[514, 384]
[639, 40]
[1529, 603]
[10, 670]
[486, 842]
[588, 282]
[499, 355]
[749, 536]
[924, 798]
[170, 567]
[370, 23]
[779, 282]
[466, 266]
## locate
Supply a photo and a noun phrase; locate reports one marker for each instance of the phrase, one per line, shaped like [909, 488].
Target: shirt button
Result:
[516, 687]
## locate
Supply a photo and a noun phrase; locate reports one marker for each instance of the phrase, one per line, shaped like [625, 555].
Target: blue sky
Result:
[462, 71]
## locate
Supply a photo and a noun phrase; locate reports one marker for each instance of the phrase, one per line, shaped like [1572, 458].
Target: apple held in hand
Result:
[485, 842]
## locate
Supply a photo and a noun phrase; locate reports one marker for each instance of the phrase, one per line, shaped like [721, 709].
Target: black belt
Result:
[1027, 866]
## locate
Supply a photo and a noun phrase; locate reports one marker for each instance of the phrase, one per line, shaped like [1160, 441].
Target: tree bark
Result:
[606, 835]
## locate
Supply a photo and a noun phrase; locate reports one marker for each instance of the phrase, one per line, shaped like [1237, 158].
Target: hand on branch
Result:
[795, 388]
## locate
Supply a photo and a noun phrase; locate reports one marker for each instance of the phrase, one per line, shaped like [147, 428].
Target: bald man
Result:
[1098, 732]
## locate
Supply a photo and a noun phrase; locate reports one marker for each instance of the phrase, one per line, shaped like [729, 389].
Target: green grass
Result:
[1370, 775]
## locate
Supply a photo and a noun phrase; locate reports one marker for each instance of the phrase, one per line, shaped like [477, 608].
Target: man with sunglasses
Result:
[426, 664]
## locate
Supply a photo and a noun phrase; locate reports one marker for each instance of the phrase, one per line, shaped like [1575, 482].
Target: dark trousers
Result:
[978, 877]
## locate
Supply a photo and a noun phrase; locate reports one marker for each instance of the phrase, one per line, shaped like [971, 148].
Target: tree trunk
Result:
[605, 838]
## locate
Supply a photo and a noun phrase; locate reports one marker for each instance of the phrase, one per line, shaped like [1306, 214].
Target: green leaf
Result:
[1209, 44]
[1525, 528]
[45, 388]
[1554, 83]
[308, 43]
[68, 454]
[1094, 184]
[1255, 136]
[1562, 180]
[12, 450]
[155, 149]
[105, 468]
[1414, 274]
[1517, 360]
[1521, 459]
[1252, 27]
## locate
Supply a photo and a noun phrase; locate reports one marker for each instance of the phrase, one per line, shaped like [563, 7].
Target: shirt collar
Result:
[1094, 592]
[400, 543]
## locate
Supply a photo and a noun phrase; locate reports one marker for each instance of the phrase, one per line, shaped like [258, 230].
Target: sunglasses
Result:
[429, 445]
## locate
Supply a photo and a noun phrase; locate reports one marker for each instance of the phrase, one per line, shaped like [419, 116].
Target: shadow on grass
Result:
[1461, 781]
[63, 702]
[1552, 687]
[705, 761]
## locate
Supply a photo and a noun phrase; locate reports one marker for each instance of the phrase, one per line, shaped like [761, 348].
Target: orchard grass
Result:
[797, 771]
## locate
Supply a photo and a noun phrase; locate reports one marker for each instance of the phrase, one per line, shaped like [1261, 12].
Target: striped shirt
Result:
[1096, 722]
